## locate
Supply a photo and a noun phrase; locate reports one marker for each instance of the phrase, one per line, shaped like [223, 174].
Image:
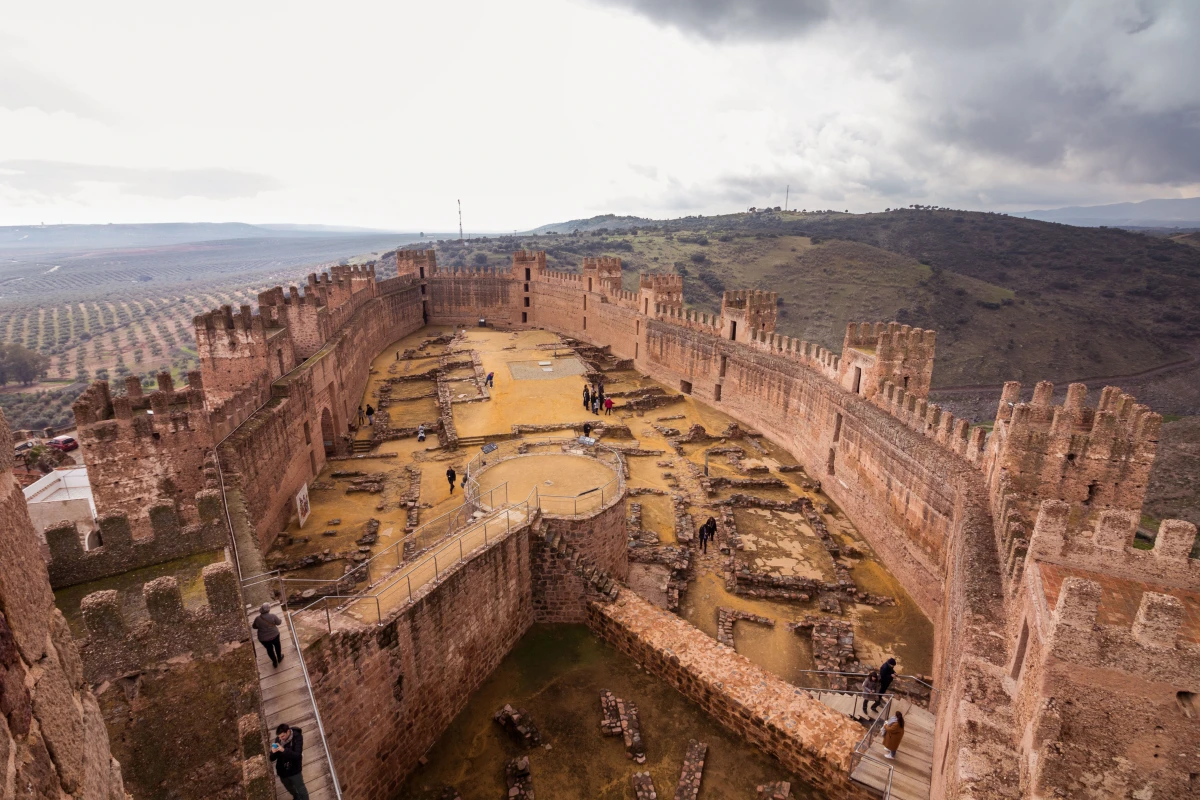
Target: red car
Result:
[64, 443]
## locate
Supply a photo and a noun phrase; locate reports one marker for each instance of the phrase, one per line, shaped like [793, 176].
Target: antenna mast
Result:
[786, 195]
[460, 236]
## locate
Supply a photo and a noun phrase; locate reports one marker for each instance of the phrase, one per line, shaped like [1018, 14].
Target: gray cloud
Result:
[59, 179]
[720, 20]
[1074, 91]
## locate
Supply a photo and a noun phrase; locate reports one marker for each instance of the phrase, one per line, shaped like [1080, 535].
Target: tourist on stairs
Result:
[886, 673]
[870, 688]
[893, 732]
[287, 751]
[267, 625]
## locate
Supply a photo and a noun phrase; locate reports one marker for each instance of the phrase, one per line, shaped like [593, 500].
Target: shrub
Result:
[698, 258]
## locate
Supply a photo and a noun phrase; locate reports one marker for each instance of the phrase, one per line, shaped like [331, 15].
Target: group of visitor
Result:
[594, 399]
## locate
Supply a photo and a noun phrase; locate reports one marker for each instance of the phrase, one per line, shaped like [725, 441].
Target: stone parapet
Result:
[810, 739]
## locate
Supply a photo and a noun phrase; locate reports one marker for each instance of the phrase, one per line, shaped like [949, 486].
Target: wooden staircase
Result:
[912, 769]
[285, 698]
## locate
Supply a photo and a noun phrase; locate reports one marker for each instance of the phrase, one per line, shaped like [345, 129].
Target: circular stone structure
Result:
[567, 484]
[580, 494]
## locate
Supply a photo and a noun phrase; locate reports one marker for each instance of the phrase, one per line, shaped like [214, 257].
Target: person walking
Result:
[596, 405]
[267, 626]
[587, 429]
[704, 539]
[608, 406]
[587, 398]
[287, 751]
[370, 415]
[710, 525]
[490, 377]
[421, 432]
[887, 672]
[870, 688]
[600, 388]
[893, 733]
[451, 476]
[360, 416]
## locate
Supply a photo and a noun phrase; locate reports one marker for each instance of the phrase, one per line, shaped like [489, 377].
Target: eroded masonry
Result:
[492, 590]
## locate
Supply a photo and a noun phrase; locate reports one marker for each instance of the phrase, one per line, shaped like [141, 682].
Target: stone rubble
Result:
[631, 728]
[643, 786]
[726, 617]
[610, 714]
[693, 770]
[776, 790]
[520, 782]
[833, 646]
[519, 725]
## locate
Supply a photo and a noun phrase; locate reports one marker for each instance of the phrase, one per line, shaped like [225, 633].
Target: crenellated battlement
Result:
[422, 263]
[173, 407]
[170, 537]
[532, 260]
[932, 421]
[118, 643]
[755, 309]
[1099, 457]
[1154, 645]
[1103, 542]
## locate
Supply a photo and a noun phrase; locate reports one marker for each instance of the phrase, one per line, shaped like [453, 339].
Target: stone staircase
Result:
[359, 446]
[913, 765]
[285, 698]
[593, 576]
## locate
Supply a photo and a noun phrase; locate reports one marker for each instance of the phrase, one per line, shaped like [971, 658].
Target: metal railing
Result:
[933, 692]
[333, 778]
[891, 772]
[381, 563]
[401, 584]
[585, 502]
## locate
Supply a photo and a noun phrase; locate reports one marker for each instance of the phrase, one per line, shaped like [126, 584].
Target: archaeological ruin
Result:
[490, 587]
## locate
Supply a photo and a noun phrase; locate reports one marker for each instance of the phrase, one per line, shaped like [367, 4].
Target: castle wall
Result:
[120, 552]
[281, 447]
[142, 450]
[53, 742]
[559, 306]
[387, 693]
[179, 692]
[889, 479]
[559, 592]
[461, 297]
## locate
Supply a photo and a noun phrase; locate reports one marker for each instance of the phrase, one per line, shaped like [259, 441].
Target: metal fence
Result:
[582, 504]
[401, 583]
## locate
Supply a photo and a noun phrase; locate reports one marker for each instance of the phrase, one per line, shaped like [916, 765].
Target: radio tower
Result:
[460, 236]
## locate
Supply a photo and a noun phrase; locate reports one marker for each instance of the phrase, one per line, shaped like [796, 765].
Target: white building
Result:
[64, 494]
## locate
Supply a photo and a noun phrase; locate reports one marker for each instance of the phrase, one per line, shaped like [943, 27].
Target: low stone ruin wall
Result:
[808, 738]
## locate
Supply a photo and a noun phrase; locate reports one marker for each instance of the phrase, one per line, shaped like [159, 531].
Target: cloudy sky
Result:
[532, 111]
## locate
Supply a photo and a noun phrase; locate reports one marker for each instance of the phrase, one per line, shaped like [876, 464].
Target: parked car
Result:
[64, 443]
[24, 447]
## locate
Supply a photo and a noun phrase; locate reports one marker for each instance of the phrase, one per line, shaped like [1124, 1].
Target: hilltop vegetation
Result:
[1011, 298]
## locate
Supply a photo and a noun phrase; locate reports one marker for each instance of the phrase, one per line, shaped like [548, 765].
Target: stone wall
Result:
[463, 296]
[560, 593]
[144, 449]
[53, 742]
[387, 693]
[281, 447]
[119, 552]
[809, 739]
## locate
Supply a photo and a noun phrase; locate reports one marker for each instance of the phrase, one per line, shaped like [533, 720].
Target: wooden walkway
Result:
[913, 765]
[285, 699]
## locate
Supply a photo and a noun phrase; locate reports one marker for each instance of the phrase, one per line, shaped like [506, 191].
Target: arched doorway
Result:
[328, 433]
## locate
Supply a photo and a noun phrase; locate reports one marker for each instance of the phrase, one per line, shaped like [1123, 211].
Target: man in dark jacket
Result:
[287, 751]
[267, 625]
[886, 673]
